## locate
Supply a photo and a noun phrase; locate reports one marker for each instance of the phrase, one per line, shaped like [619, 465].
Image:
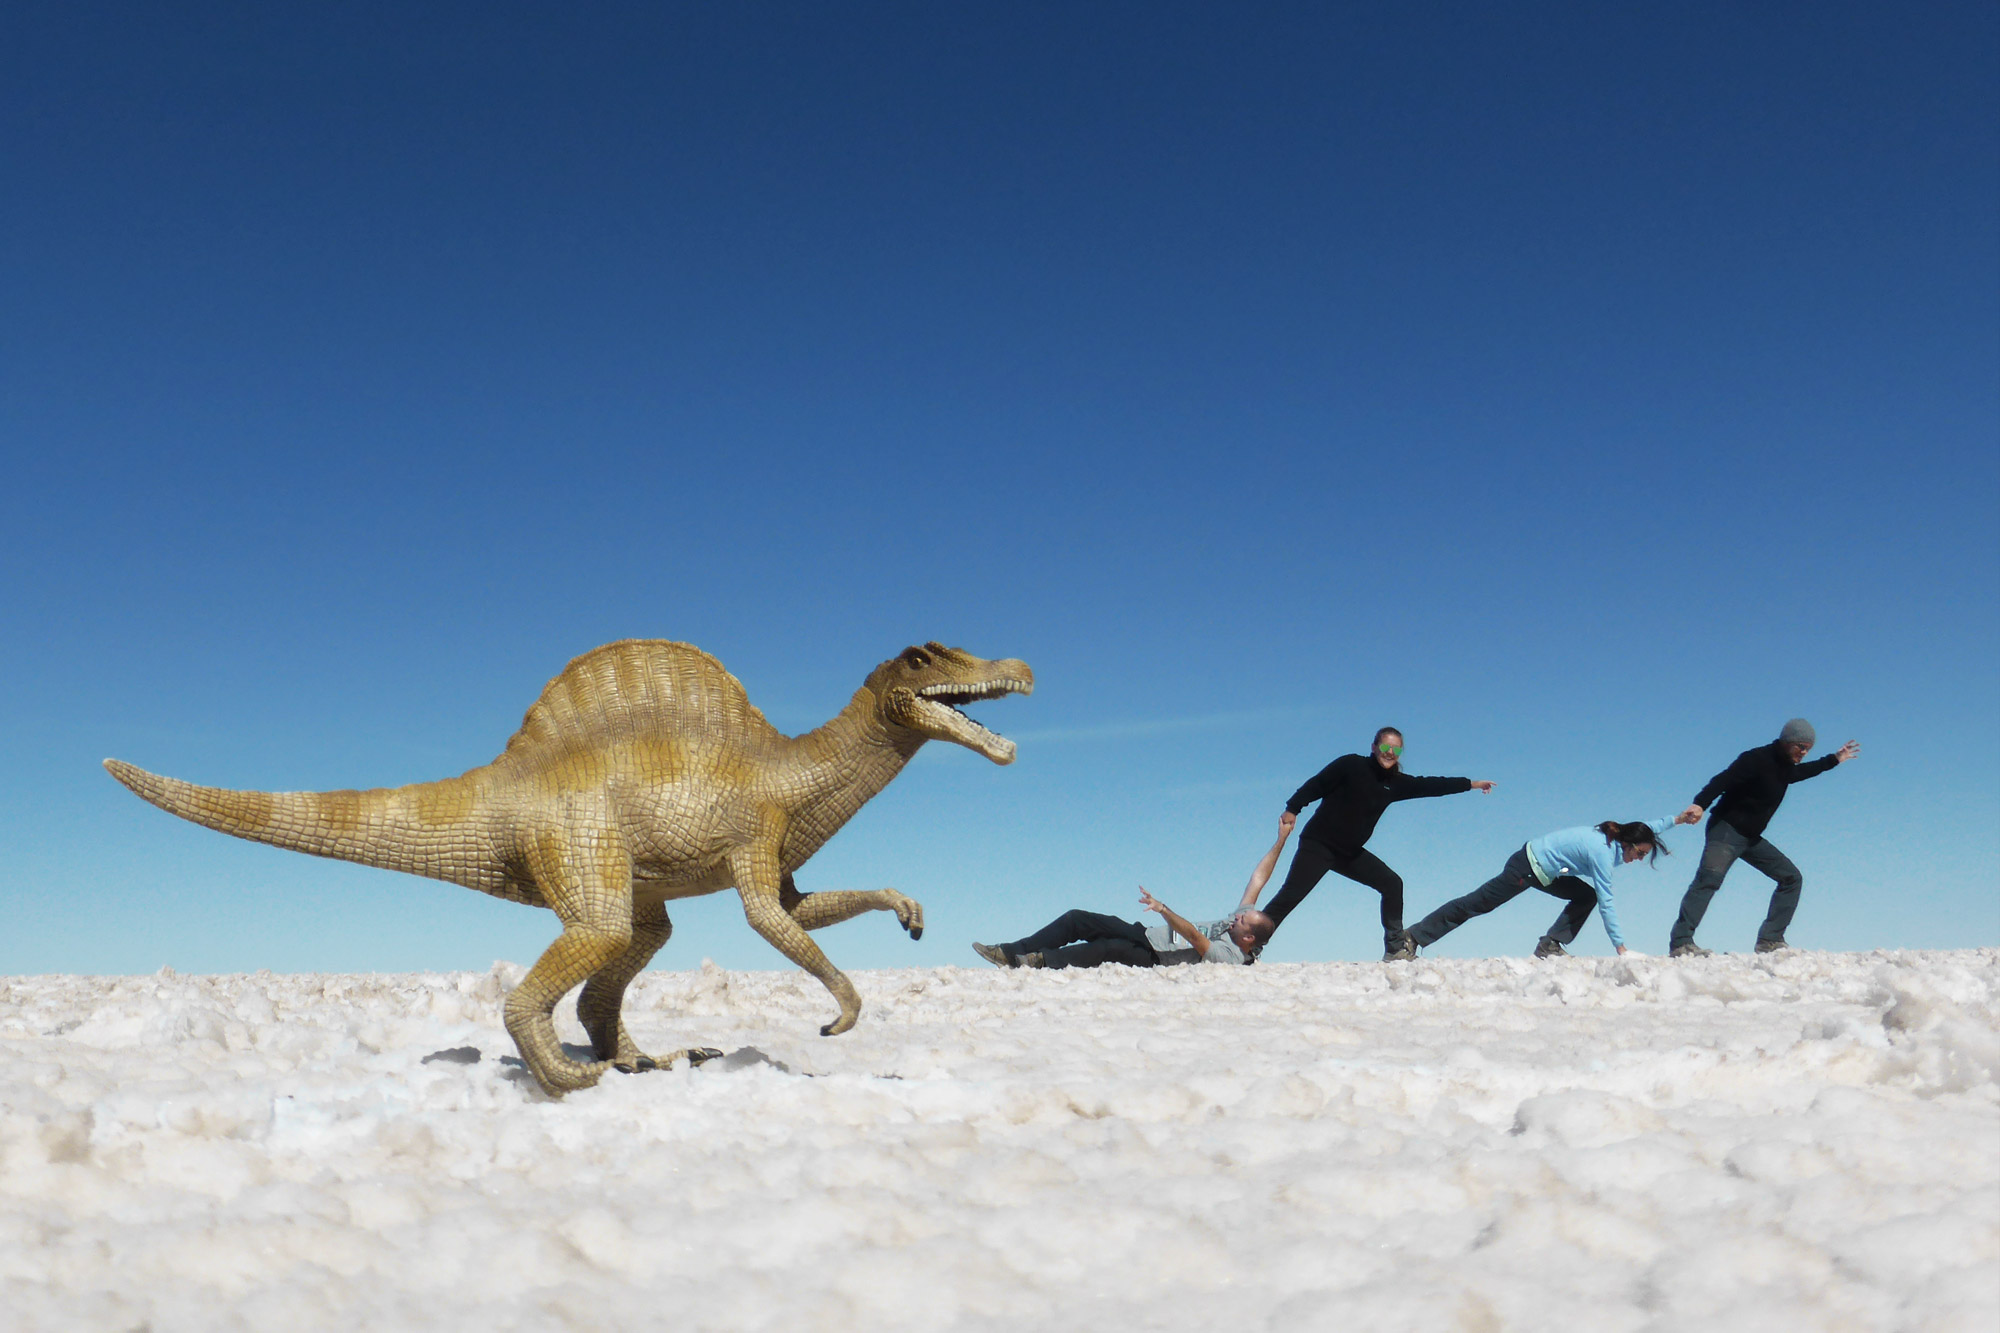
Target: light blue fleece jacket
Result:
[1587, 854]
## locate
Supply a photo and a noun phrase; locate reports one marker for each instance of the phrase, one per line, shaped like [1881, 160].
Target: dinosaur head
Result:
[920, 690]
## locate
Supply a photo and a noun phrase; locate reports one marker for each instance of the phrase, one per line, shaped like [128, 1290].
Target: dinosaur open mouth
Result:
[940, 707]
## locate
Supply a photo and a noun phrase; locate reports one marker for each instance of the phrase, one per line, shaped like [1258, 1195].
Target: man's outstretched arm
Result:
[1262, 874]
[1180, 924]
[1823, 764]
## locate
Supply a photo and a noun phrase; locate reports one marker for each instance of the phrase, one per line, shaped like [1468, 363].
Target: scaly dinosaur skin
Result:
[642, 774]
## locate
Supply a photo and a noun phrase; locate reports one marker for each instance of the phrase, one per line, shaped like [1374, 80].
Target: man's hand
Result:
[1286, 820]
[1691, 815]
[1151, 903]
[1847, 751]
[1482, 785]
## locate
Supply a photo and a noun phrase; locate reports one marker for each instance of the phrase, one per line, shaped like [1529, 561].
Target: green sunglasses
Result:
[1393, 751]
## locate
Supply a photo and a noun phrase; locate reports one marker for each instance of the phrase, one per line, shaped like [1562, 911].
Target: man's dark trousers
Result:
[1722, 850]
[1086, 939]
[1513, 879]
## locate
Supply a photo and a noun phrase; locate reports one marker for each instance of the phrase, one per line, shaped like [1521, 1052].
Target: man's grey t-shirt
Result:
[1173, 949]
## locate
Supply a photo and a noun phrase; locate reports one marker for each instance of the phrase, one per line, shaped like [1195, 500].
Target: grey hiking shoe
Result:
[1689, 949]
[1548, 948]
[993, 954]
[1404, 949]
[1772, 946]
[1029, 960]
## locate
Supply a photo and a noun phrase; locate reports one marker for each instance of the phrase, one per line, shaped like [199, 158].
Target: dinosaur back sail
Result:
[637, 687]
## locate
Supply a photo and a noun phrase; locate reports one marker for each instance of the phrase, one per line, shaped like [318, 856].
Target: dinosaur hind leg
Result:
[591, 892]
[601, 1006]
[814, 910]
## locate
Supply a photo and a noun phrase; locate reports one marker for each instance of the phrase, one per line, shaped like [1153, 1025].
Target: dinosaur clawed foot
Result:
[909, 913]
[569, 1075]
[643, 1064]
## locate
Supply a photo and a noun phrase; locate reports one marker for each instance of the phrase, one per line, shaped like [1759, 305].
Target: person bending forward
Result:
[1352, 792]
[1572, 863]
[1091, 939]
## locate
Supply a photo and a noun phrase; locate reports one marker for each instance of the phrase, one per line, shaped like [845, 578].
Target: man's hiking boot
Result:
[1548, 948]
[1030, 960]
[1404, 949]
[994, 954]
[1689, 949]
[1772, 946]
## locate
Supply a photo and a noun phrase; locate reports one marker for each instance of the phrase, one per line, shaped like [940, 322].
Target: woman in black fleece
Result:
[1352, 792]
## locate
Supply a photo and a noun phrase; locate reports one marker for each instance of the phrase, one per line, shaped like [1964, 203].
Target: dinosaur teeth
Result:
[974, 693]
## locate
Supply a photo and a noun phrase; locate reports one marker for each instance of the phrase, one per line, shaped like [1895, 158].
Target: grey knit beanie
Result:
[1798, 732]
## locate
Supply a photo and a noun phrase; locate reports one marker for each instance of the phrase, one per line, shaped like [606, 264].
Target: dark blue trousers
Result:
[1515, 877]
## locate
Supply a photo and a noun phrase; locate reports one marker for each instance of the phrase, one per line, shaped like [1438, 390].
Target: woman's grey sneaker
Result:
[1402, 950]
[993, 954]
[1689, 949]
[1548, 948]
[1771, 946]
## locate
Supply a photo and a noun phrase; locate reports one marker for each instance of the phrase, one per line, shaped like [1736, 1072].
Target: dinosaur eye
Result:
[916, 660]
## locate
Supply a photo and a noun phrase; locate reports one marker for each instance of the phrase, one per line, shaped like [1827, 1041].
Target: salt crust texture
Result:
[1799, 1141]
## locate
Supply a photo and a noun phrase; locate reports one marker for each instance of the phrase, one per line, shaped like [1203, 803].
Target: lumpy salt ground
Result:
[1793, 1141]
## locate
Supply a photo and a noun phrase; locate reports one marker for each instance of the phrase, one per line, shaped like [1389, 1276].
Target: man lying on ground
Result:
[1091, 939]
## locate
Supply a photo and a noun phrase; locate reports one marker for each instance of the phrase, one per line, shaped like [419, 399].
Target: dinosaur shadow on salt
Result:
[516, 1070]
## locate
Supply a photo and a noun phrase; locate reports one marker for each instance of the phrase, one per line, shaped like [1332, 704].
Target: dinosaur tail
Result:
[419, 829]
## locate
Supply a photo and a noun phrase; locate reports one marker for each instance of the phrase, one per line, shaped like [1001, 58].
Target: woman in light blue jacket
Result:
[1572, 863]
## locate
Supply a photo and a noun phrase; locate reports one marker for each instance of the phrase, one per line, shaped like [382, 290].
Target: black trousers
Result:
[1310, 864]
[1503, 887]
[1086, 939]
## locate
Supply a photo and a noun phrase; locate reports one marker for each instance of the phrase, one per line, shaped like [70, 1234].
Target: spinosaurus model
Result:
[643, 773]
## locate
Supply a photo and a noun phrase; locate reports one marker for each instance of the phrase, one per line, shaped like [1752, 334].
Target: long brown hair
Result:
[1633, 835]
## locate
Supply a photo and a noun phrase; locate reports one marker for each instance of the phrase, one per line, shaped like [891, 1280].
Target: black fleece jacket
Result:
[1353, 791]
[1754, 786]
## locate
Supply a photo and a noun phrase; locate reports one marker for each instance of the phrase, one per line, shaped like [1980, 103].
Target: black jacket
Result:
[1753, 787]
[1353, 791]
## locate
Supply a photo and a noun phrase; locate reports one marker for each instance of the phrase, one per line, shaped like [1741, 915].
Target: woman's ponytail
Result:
[1634, 835]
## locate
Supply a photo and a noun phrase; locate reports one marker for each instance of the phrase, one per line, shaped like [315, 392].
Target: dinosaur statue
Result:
[643, 773]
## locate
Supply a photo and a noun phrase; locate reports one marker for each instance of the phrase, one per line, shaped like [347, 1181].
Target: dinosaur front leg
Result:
[758, 880]
[590, 888]
[601, 1006]
[813, 910]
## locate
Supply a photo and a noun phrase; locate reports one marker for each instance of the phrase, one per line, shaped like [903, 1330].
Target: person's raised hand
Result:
[1847, 751]
[1691, 815]
[1151, 903]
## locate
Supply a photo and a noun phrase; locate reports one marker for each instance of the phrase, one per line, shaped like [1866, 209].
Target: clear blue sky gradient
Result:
[1584, 389]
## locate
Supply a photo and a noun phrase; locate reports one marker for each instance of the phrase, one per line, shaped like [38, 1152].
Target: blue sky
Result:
[1582, 389]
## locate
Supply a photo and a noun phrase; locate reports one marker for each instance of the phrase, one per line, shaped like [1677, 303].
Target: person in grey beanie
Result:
[1750, 791]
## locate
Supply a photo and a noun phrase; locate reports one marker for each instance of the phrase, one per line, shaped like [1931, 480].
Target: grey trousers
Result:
[1725, 846]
